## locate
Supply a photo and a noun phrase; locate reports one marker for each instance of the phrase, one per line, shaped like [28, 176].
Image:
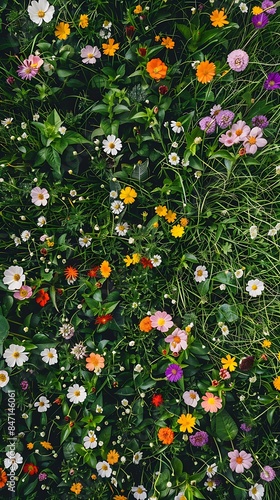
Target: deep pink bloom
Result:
[238, 60]
[178, 340]
[239, 461]
[254, 141]
[30, 67]
[260, 20]
[161, 321]
[173, 372]
[10, 80]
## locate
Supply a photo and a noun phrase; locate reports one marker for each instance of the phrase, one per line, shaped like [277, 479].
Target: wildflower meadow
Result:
[139, 249]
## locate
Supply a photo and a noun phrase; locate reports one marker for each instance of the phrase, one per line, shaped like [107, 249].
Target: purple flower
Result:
[245, 428]
[267, 474]
[208, 124]
[266, 4]
[42, 476]
[24, 385]
[238, 60]
[10, 80]
[224, 118]
[30, 67]
[260, 20]
[200, 438]
[260, 121]
[272, 82]
[173, 372]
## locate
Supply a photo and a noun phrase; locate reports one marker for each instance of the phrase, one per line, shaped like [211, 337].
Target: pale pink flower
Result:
[30, 67]
[239, 461]
[191, 398]
[211, 403]
[39, 196]
[23, 293]
[240, 130]
[161, 321]
[228, 139]
[254, 141]
[90, 54]
[178, 340]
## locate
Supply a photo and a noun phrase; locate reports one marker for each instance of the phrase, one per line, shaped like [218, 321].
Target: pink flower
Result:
[39, 196]
[240, 130]
[239, 461]
[254, 141]
[191, 398]
[30, 67]
[228, 139]
[211, 403]
[238, 60]
[178, 340]
[161, 321]
[24, 292]
[90, 54]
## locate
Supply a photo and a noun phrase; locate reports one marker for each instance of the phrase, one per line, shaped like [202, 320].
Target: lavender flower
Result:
[224, 118]
[42, 476]
[245, 428]
[238, 60]
[268, 474]
[173, 372]
[266, 6]
[200, 438]
[260, 20]
[260, 121]
[272, 82]
[208, 124]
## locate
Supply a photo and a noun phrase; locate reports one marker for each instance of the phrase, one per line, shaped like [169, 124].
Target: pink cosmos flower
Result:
[30, 67]
[191, 398]
[228, 139]
[23, 293]
[39, 196]
[161, 321]
[254, 141]
[90, 54]
[239, 461]
[240, 130]
[211, 403]
[178, 340]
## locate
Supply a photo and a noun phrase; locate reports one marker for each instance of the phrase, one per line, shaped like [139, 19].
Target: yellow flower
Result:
[229, 363]
[138, 9]
[266, 343]
[110, 48]
[161, 210]
[276, 383]
[218, 18]
[62, 30]
[155, 224]
[278, 356]
[93, 477]
[83, 21]
[157, 38]
[170, 216]
[177, 231]
[256, 10]
[184, 221]
[46, 445]
[105, 269]
[136, 258]
[168, 43]
[128, 195]
[30, 446]
[187, 422]
[112, 457]
[128, 260]
[76, 488]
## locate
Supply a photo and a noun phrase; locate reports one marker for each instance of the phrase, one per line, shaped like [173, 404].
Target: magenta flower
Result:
[24, 385]
[260, 20]
[200, 438]
[178, 340]
[39, 196]
[30, 67]
[173, 372]
[245, 428]
[238, 60]
[10, 80]
[269, 7]
[23, 293]
[268, 474]
[90, 54]
[239, 461]
[272, 82]
[224, 118]
[207, 124]
[254, 141]
[161, 321]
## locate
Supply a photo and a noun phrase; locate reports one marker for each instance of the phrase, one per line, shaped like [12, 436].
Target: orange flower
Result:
[76, 488]
[119, 497]
[42, 297]
[110, 48]
[168, 43]
[3, 478]
[205, 71]
[138, 9]
[161, 210]
[145, 324]
[95, 362]
[46, 445]
[112, 457]
[62, 30]
[156, 69]
[105, 269]
[184, 222]
[166, 435]
[218, 18]
[30, 446]
[83, 21]
[71, 274]
[170, 216]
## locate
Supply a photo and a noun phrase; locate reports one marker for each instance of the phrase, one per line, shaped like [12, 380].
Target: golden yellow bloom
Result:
[83, 21]
[170, 216]
[128, 195]
[278, 356]
[113, 457]
[46, 445]
[30, 446]
[168, 43]
[105, 269]
[161, 210]
[218, 18]
[136, 258]
[62, 30]
[128, 260]
[266, 343]
[110, 48]
[119, 497]
[93, 477]
[155, 224]
[177, 231]
[184, 221]
[276, 383]
[256, 10]
[76, 488]
[205, 71]
[187, 422]
[50, 243]
[229, 363]
[157, 38]
[138, 9]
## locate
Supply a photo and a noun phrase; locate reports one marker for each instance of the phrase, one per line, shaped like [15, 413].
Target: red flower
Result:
[92, 273]
[146, 262]
[157, 400]
[142, 51]
[42, 297]
[30, 469]
[102, 320]
[129, 31]
[163, 89]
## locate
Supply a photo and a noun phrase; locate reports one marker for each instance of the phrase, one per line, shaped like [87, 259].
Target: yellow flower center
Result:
[192, 395]
[199, 272]
[40, 195]
[254, 287]
[90, 55]
[16, 277]
[50, 355]
[111, 145]
[178, 124]
[16, 354]
[239, 460]
[160, 321]
[92, 439]
[176, 340]
[23, 293]
[254, 491]
[104, 467]
[238, 132]
[77, 393]
[252, 140]
[211, 401]
[41, 403]
[41, 13]
[3, 377]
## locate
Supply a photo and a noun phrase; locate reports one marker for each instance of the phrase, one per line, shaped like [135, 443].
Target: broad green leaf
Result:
[65, 432]
[4, 328]
[229, 313]
[224, 426]
[140, 171]
[75, 138]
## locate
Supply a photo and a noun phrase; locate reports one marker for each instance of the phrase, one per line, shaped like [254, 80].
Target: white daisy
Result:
[113, 194]
[117, 207]
[49, 356]
[173, 158]
[73, 192]
[103, 469]
[62, 130]
[211, 470]
[25, 235]
[243, 7]
[137, 457]
[255, 287]
[15, 355]
[42, 221]
[177, 127]
[112, 145]
[156, 260]
[4, 378]
[200, 274]
[17, 241]
[256, 492]
[43, 404]
[14, 277]
[272, 232]
[40, 11]
[85, 241]
[6, 122]
[238, 273]
[277, 227]
[76, 393]
[139, 492]
[122, 228]
[210, 484]
[12, 460]
[225, 330]
[90, 441]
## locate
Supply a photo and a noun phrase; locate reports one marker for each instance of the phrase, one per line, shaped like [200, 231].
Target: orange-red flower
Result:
[71, 274]
[3, 478]
[205, 71]
[95, 362]
[168, 43]
[145, 324]
[157, 400]
[42, 297]
[92, 273]
[105, 269]
[30, 469]
[166, 435]
[156, 69]
[102, 320]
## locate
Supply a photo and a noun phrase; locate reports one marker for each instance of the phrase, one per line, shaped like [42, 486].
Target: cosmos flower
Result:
[254, 141]
[256, 492]
[260, 20]
[30, 67]
[161, 321]
[25, 292]
[39, 196]
[177, 340]
[90, 54]
[191, 398]
[40, 11]
[239, 461]
[211, 403]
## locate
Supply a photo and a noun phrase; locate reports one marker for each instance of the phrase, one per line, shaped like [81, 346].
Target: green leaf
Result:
[54, 161]
[270, 414]
[120, 108]
[140, 171]
[75, 138]
[177, 466]
[4, 328]
[224, 426]
[64, 73]
[6, 305]
[229, 313]
[65, 432]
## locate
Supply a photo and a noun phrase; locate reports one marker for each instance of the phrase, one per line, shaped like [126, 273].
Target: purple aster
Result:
[245, 428]
[238, 60]
[268, 474]
[260, 121]
[272, 82]
[260, 20]
[266, 6]
[224, 118]
[173, 372]
[208, 124]
[42, 476]
[200, 438]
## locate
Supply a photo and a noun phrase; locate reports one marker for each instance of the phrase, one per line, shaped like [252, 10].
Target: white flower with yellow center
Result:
[14, 277]
[177, 127]
[49, 356]
[15, 356]
[173, 158]
[200, 274]
[112, 145]
[4, 378]
[90, 441]
[103, 469]
[43, 404]
[40, 11]
[76, 394]
[255, 287]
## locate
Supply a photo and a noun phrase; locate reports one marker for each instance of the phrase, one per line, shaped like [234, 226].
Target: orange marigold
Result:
[3, 478]
[205, 71]
[168, 43]
[156, 69]
[218, 18]
[76, 488]
[113, 457]
[145, 324]
[105, 269]
[166, 435]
